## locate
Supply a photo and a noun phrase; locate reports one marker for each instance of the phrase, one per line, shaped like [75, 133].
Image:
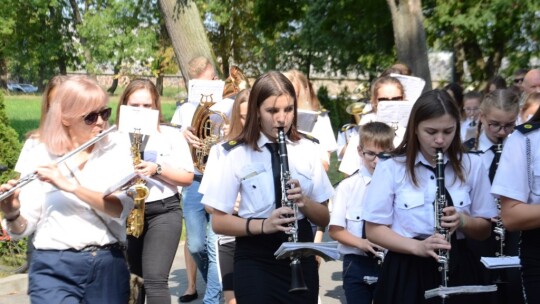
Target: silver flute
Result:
[30, 177]
[297, 278]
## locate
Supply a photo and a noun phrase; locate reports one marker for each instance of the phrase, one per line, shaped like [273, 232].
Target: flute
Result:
[30, 177]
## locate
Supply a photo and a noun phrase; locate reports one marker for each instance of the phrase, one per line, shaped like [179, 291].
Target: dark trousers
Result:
[71, 277]
[530, 264]
[355, 268]
[151, 255]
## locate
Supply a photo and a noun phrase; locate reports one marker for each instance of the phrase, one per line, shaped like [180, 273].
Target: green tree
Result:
[481, 33]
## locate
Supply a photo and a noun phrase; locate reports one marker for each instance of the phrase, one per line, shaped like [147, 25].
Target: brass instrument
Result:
[30, 177]
[357, 109]
[297, 278]
[345, 128]
[207, 130]
[235, 83]
[138, 190]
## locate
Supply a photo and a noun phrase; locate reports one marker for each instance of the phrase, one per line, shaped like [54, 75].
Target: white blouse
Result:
[347, 207]
[393, 200]
[249, 172]
[61, 220]
[515, 178]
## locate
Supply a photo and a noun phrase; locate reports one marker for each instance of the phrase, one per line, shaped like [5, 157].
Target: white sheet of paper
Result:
[208, 90]
[306, 120]
[146, 120]
[413, 86]
[394, 112]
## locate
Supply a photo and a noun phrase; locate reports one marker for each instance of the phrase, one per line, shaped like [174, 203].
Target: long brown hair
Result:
[267, 85]
[236, 121]
[431, 104]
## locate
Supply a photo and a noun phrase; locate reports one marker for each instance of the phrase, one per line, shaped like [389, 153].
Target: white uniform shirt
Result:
[343, 138]
[322, 130]
[393, 200]
[484, 145]
[61, 220]
[515, 178]
[347, 207]
[249, 173]
[184, 114]
[466, 131]
[24, 163]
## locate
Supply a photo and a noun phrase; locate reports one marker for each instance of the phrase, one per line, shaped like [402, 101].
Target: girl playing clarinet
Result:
[247, 168]
[399, 204]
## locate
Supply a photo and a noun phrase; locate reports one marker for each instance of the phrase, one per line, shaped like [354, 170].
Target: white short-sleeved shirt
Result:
[484, 145]
[61, 220]
[184, 114]
[393, 200]
[343, 138]
[212, 165]
[515, 178]
[467, 131]
[249, 172]
[322, 130]
[347, 207]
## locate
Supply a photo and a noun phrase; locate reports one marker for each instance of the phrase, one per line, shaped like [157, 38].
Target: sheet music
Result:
[306, 120]
[146, 120]
[394, 113]
[501, 262]
[413, 86]
[211, 90]
[447, 291]
[327, 250]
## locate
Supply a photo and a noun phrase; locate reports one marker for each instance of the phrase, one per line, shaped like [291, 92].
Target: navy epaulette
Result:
[477, 152]
[468, 145]
[528, 127]
[355, 172]
[170, 124]
[231, 144]
[309, 137]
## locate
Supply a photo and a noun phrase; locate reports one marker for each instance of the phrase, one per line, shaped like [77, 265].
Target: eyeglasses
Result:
[397, 98]
[473, 110]
[370, 155]
[518, 80]
[496, 127]
[92, 117]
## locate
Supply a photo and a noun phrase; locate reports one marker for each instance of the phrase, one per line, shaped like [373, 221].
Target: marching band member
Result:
[517, 185]
[166, 158]
[79, 228]
[247, 169]
[399, 204]
[384, 88]
[346, 225]
[498, 114]
[471, 108]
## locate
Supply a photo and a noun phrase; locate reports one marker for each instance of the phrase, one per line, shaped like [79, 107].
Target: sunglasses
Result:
[518, 80]
[92, 117]
[397, 98]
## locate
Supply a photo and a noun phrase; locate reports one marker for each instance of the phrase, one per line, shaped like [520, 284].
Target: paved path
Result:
[13, 288]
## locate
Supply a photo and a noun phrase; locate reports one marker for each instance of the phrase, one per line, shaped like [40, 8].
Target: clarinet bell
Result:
[297, 277]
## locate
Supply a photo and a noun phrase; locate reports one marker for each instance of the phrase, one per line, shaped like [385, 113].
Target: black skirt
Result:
[260, 278]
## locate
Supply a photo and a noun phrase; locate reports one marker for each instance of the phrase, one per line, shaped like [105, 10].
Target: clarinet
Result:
[499, 229]
[440, 204]
[297, 278]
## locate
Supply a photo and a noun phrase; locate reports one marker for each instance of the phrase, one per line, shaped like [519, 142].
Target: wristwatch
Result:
[158, 169]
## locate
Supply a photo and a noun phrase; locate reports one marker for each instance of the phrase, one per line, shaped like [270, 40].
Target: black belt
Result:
[197, 178]
[90, 248]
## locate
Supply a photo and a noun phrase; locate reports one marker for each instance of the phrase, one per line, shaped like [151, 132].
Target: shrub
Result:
[9, 144]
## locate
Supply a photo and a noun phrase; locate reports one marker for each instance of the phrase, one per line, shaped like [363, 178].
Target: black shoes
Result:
[188, 297]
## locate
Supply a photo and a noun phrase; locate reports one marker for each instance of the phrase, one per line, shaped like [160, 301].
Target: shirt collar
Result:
[263, 139]
[420, 159]
[364, 173]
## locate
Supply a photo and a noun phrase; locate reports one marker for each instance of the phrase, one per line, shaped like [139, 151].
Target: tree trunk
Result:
[77, 20]
[159, 83]
[410, 37]
[186, 31]
[114, 84]
[3, 72]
